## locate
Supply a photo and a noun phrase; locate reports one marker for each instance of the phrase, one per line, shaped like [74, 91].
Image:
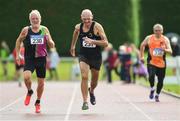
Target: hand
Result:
[88, 40]
[72, 51]
[18, 58]
[163, 46]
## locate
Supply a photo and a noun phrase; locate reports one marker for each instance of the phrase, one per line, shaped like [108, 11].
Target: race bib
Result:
[37, 39]
[158, 52]
[88, 45]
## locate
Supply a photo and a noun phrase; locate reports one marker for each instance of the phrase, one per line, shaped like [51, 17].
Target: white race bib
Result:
[88, 45]
[158, 52]
[37, 39]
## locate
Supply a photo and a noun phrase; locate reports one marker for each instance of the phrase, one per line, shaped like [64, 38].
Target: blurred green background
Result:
[123, 20]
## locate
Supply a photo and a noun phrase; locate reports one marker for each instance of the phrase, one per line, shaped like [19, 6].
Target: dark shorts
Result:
[93, 63]
[38, 64]
[18, 67]
[159, 72]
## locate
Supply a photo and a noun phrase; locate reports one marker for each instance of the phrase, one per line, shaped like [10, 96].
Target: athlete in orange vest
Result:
[158, 46]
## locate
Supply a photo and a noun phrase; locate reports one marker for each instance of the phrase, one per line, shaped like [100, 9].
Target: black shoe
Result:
[157, 98]
[92, 98]
[151, 95]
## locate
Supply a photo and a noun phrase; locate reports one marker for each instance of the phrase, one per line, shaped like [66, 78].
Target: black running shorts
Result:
[93, 63]
[38, 64]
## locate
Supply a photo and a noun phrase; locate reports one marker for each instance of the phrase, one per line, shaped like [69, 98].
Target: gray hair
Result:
[158, 26]
[35, 12]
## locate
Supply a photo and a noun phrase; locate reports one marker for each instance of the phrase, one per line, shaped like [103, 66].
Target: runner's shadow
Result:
[88, 116]
[153, 102]
[47, 116]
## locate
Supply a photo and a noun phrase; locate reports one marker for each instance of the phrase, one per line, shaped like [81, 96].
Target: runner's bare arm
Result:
[142, 47]
[20, 39]
[100, 31]
[74, 39]
[168, 48]
[50, 42]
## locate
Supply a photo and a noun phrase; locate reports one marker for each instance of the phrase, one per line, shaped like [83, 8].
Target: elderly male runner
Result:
[35, 38]
[92, 37]
[158, 46]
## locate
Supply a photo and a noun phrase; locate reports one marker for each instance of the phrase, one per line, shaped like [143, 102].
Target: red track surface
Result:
[62, 101]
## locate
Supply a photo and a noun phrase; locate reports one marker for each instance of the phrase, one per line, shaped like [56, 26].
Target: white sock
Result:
[152, 88]
[157, 94]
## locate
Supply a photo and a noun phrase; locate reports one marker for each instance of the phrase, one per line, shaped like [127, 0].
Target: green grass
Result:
[172, 88]
[11, 72]
[64, 70]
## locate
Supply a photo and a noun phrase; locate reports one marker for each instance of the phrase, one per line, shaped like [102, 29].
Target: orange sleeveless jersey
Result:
[156, 52]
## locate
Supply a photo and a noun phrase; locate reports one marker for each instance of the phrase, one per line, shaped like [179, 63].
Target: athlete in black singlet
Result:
[92, 37]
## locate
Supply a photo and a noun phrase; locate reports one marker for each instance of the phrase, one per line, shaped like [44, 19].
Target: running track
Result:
[62, 102]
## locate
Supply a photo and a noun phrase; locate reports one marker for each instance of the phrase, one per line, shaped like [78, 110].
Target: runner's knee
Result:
[84, 77]
[27, 77]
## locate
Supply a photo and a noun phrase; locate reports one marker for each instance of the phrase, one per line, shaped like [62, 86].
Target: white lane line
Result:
[9, 105]
[131, 103]
[71, 102]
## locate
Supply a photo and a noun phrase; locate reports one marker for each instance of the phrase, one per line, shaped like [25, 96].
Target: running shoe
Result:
[92, 98]
[151, 95]
[28, 98]
[157, 98]
[38, 108]
[85, 106]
